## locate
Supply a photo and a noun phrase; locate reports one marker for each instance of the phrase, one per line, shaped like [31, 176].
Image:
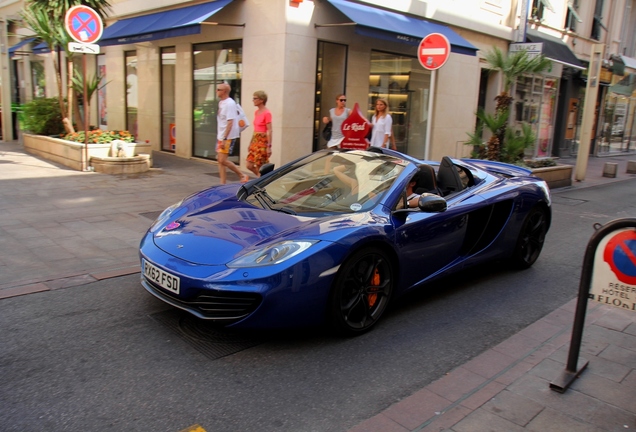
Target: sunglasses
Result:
[342, 100]
[255, 98]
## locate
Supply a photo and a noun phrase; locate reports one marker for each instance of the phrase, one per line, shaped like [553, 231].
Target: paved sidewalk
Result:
[507, 388]
[61, 228]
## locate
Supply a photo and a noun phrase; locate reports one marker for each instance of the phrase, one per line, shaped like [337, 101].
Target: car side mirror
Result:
[267, 168]
[431, 203]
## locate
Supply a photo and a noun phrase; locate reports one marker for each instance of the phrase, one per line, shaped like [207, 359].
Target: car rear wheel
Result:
[531, 238]
[361, 292]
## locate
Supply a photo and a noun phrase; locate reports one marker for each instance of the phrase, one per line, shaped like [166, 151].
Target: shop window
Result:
[571, 16]
[597, 24]
[214, 63]
[331, 70]
[538, 9]
[617, 121]
[535, 104]
[131, 91]
[403, 82]
[38, 78]
[168, 96]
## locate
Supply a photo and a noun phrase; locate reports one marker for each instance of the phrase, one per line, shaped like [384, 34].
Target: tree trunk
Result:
[503, 104]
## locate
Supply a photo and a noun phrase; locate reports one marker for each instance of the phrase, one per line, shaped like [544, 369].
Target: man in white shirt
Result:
[227, 132]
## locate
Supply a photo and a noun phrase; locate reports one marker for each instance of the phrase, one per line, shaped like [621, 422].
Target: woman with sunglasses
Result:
[260, 148]
[337, 115]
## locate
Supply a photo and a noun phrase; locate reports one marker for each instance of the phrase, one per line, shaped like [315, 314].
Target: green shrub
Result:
[42, 116]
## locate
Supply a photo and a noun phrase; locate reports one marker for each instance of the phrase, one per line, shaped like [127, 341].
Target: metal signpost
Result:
[608, 277]
[85, 26]
[433, 52]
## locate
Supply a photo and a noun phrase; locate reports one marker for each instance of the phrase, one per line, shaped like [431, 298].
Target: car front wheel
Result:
[361, 292]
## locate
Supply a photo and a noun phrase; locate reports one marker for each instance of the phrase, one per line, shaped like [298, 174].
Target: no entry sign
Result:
[433, 51]
[83, 24]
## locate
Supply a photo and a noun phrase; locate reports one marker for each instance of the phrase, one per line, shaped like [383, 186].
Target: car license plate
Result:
[164, 279]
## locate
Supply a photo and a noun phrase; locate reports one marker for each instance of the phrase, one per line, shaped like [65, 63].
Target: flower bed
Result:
[71, 154]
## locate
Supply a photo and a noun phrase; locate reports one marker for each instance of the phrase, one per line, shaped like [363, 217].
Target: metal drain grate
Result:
[151, 215]
[567, 201]
[206, 337]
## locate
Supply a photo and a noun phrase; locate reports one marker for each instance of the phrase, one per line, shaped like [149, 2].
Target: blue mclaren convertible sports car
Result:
[330, 238]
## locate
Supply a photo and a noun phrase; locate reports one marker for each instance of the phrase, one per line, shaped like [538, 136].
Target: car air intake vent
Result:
[226, 305]
[222, 306]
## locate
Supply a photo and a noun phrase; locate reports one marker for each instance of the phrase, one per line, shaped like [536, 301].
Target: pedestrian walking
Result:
[227, 132]
[337, 116]
[382, 124]
[260, 148]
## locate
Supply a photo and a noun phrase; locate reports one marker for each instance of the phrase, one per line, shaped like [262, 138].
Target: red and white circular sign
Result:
[433, 51]
[83, 24]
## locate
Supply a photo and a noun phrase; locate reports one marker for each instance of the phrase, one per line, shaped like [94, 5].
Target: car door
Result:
[429, 243]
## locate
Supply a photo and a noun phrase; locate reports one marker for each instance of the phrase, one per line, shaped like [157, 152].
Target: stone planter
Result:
[71, 154]
[556, 176]
[121, 165]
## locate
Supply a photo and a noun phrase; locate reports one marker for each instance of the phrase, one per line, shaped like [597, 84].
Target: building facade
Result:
[161, 62]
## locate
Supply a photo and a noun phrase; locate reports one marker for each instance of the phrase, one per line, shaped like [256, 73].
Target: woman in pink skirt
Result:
[261, 145]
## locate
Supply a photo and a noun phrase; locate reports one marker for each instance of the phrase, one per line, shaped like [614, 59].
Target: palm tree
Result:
[512, 66]
[57, 8]
[53, 34]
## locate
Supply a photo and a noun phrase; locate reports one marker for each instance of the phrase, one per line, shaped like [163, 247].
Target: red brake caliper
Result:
[375, 283]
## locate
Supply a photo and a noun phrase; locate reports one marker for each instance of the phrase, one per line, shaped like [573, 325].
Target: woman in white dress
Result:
[382, 124]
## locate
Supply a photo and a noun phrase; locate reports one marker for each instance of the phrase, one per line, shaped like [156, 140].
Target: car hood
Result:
[219, 232]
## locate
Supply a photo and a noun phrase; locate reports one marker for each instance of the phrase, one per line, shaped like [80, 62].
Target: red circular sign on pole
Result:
[83, 24]
[620, 254]
[433, 51]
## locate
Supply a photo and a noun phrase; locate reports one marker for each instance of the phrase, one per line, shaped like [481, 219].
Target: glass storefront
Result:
[618, 134]
[406, 86]
[168, 80]
[535, 103]
[214, 63]
[131, 91]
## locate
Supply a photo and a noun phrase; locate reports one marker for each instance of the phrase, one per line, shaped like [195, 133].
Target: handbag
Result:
[243, 122]
[326, 132]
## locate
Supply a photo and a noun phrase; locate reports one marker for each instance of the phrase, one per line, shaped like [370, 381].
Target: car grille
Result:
[215, 305]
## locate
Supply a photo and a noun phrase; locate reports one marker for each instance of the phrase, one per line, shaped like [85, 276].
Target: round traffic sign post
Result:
[433, 51]
[83, 24]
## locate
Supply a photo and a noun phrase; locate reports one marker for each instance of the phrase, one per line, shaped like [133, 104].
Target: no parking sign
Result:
[83, 24]
[614, 271]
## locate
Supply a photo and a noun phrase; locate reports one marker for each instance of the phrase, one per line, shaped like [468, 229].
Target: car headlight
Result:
[271, 255]
[164, 215]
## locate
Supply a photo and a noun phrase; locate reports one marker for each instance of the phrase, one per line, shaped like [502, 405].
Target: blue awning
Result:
[161, 25]
[396, 27]
[15, 48]
[41, 48]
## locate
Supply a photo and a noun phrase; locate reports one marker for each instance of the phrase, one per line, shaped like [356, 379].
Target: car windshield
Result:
[331, 182]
